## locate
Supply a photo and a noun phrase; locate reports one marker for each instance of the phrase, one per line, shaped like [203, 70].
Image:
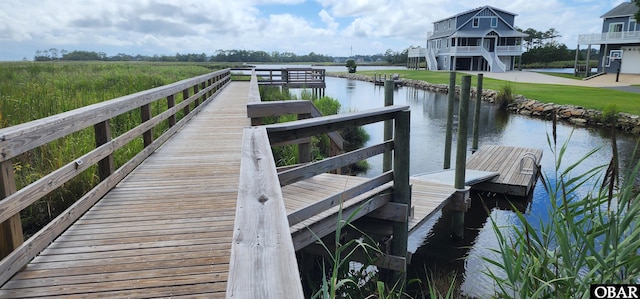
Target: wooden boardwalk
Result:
[165, 230]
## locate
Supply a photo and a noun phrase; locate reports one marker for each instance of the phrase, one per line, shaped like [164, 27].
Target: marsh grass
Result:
[34, 90]
[588, 239]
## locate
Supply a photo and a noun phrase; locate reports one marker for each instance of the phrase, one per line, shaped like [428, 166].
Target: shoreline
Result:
[575, 115]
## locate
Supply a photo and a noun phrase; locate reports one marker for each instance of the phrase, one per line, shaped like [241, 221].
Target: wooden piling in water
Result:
[462, 193]
[476, 114]
[449, 130]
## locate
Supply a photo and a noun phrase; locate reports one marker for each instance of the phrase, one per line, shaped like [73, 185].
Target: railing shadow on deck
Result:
[263, 262]
[183, 99]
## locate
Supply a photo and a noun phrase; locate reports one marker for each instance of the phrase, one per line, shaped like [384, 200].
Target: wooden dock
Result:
[518, 168]
[199, 212]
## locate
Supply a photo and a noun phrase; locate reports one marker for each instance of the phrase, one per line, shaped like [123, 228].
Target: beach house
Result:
[481, 39]
[619, 40]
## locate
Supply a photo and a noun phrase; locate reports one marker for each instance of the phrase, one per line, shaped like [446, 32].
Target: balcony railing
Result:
[477, 50]
[610, 38]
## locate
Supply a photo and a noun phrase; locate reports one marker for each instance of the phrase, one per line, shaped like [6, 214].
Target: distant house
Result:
[619, 41]
[481, 39]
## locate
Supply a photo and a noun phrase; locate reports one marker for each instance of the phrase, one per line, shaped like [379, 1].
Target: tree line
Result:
[237, 56]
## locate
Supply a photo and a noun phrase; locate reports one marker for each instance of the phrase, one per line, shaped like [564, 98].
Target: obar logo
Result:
[600, 291]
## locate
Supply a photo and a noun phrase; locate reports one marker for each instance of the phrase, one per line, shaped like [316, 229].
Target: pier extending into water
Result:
[202, 210]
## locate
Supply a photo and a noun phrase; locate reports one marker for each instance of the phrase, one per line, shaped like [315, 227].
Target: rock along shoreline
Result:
[576, 115]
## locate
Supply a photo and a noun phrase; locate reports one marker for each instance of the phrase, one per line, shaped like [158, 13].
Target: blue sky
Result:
[331, 27]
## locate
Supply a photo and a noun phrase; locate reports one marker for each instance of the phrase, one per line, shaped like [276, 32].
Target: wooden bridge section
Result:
[202, 210]
[164, 230]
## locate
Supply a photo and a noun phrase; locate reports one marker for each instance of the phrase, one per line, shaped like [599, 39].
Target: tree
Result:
[351, 65]
[637, 15]
[542, 47]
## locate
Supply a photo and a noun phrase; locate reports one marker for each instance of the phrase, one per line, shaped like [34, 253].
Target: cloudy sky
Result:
[330, 27]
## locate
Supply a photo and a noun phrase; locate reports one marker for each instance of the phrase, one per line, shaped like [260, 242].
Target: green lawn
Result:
[588, 97]
[561, 75]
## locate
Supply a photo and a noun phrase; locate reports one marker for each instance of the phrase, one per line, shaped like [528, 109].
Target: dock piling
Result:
[449, 132]
[462, 193]
[476, 114]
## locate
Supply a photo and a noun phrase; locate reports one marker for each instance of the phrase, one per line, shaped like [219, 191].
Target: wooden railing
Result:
[288, 77]
[263, 262]
[303, 109]
[23, 138]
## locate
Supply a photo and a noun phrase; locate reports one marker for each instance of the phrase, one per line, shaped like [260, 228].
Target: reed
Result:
[588, 239]
[34, 90]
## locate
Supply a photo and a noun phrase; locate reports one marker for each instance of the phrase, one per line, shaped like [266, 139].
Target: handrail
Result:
[493, 60]
[297, 77]
[263, 261]
[22, 138]
[279, 108]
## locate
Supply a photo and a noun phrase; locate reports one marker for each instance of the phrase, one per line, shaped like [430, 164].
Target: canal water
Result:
[432, 247]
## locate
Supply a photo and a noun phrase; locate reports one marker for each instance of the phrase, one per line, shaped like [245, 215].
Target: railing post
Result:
[171, 102]
[476, 115]
[449, 131]
[103, 135]
[204, 97]
[304, 149]
[145, 113]
[196, 89]
[11, 236]
[401, 188]
[185, 96]
[388, 124]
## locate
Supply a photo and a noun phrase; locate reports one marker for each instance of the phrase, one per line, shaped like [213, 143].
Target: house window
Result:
[494, 22]
[615, 27]
[476, 22]
[632, 25]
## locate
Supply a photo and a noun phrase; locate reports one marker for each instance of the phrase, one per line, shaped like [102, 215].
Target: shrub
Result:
[610, 114]
[504, 96]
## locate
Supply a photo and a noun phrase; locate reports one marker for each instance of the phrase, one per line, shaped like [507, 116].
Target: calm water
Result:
[431, 244]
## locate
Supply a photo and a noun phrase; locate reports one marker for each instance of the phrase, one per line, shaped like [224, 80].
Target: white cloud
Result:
[195, 26]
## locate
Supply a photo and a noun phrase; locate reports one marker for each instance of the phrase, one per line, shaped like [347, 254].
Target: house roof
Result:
[476, 9]
[622, 10]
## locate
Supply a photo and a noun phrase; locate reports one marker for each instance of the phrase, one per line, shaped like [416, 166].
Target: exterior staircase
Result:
[495, 64]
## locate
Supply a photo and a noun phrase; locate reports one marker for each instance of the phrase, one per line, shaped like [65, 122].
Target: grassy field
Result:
[30, 91]
[588, 97]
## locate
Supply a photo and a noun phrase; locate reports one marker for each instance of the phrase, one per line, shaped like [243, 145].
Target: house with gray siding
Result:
[481, 39]
[619, 40]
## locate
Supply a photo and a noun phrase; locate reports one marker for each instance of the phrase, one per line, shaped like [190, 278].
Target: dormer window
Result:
[476, 22]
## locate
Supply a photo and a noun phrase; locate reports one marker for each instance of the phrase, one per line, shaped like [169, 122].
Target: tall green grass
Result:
[590, 239]
[34, 90]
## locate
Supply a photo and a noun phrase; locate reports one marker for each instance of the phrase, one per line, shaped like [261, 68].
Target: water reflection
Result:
[431, 243]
